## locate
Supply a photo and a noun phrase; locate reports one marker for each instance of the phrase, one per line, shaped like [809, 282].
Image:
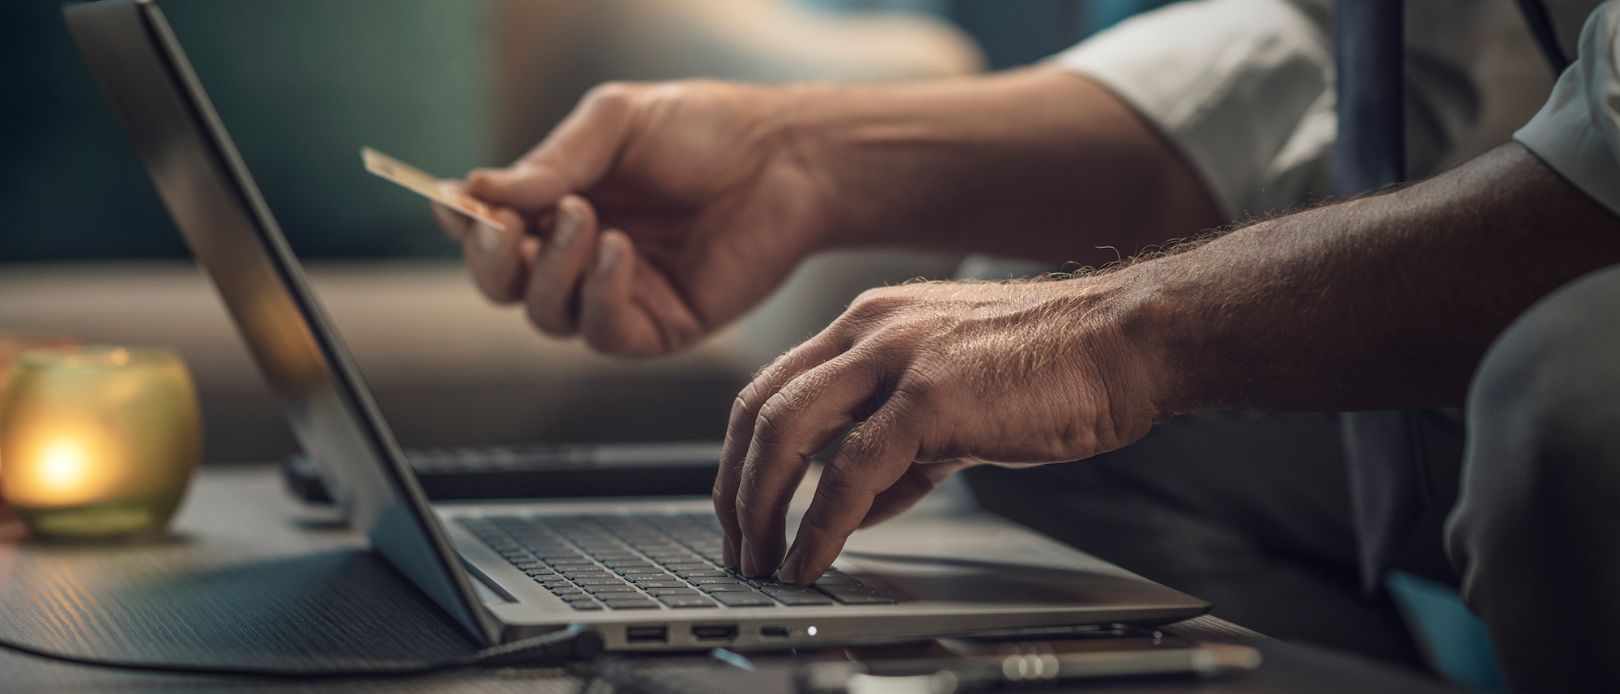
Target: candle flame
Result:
[63, 466]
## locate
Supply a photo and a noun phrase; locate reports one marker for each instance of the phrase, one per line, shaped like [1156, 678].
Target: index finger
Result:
[740, 432]
[795, 424]
[874, 456]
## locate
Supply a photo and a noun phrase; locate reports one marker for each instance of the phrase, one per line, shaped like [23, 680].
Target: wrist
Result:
[812, 123]
[1168, 332]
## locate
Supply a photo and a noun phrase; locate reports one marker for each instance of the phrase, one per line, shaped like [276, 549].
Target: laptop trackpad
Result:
[984, 560]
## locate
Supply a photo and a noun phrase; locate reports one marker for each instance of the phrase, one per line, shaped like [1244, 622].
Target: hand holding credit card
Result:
[427, 186]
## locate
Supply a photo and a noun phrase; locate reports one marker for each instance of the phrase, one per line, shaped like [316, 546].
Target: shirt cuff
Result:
[1577, 132]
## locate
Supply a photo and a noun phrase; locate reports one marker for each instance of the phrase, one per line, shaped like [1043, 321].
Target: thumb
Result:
[578, 153]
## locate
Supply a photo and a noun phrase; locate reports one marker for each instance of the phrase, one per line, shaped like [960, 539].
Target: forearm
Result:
[1039, 163]
[1383, 301]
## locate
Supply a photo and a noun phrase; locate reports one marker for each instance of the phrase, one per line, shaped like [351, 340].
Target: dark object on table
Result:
[540, 470]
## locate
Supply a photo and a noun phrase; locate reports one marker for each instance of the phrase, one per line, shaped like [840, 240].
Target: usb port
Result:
[646, 634]
[714, 632]
[774, 631]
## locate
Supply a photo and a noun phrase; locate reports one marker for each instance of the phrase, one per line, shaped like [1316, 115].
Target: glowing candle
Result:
[98, 441]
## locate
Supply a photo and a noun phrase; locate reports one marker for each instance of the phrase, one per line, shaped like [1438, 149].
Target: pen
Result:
[1026, 666]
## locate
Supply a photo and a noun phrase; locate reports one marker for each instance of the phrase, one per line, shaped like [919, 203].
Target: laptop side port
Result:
[776, 632]
[646, 634]
[714, 632]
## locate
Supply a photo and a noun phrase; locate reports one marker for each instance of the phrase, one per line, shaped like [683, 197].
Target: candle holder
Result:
[98, 442]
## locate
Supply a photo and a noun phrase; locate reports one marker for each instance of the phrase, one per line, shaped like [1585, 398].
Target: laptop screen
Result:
[147, 79]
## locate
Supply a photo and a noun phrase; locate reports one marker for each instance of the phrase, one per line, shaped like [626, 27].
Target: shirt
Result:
[1578, 132]
[1244, 90]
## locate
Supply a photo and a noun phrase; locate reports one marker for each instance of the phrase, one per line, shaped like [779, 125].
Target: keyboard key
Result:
[738, 587]
[610, 589]
[801, 599]
[679, 602]
[638, 578]
[714, 580]
[661, 584]
[585, 606]
[632, 605]
[661, 592]
[749, 599]
[604, 581]
[862, 598]
[840, 580]
[700, 573]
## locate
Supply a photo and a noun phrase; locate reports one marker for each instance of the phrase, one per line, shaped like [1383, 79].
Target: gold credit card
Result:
[427, 186]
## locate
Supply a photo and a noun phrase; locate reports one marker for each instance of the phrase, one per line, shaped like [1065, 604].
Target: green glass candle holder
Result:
[98, 442]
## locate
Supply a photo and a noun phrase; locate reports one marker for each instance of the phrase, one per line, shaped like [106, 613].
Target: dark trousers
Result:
[1251, 511]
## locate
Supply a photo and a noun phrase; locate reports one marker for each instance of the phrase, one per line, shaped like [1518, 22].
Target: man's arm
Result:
[1383, 301]
[1041, 163]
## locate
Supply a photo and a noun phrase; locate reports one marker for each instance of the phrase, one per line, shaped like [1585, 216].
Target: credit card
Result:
[419, 182]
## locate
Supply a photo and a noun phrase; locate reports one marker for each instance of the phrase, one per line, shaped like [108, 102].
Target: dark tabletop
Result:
[249, 577]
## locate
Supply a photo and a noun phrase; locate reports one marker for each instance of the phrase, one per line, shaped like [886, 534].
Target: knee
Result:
[1543, 420]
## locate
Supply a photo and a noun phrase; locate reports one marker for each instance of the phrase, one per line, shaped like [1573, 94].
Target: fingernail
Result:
[567, 226]
[606, 256]
[793, 566]
[489, 238]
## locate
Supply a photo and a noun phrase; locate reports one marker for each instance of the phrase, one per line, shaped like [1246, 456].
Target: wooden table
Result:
[250, 577]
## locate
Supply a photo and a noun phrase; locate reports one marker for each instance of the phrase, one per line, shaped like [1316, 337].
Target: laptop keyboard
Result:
[648, 562]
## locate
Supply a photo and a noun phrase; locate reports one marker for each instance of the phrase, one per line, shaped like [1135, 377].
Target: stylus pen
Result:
[975, 673]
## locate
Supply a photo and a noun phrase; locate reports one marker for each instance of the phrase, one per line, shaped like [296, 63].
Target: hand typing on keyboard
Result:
[928, 379]
[624, 562]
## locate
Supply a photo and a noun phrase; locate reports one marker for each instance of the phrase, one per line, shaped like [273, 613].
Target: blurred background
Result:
[87, 251]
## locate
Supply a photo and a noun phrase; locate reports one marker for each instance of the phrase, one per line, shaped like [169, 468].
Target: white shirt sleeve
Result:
[1244, 88]
[1577, 132]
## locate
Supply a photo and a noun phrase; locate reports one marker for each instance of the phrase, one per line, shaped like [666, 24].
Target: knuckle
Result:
[612, 95]
[746, 514]
[747, 405]
[918, 385]
[840, 477]
[819, 521]
[724, 506]
[875, 302]
[739, 407]
[769, 425]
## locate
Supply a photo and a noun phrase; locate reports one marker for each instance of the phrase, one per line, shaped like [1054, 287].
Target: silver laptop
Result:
[642, 573]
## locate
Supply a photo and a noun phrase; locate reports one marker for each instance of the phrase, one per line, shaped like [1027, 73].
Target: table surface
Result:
[250, 577]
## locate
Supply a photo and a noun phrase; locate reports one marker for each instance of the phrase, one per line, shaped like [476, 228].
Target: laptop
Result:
[642, 573]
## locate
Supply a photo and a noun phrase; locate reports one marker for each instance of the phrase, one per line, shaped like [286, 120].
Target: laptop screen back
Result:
[193, 163]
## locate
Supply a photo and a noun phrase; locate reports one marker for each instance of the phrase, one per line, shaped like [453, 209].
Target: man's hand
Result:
[933, 378]
[662, 212]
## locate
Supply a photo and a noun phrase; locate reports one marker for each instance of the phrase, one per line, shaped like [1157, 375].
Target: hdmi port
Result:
[714, 632]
